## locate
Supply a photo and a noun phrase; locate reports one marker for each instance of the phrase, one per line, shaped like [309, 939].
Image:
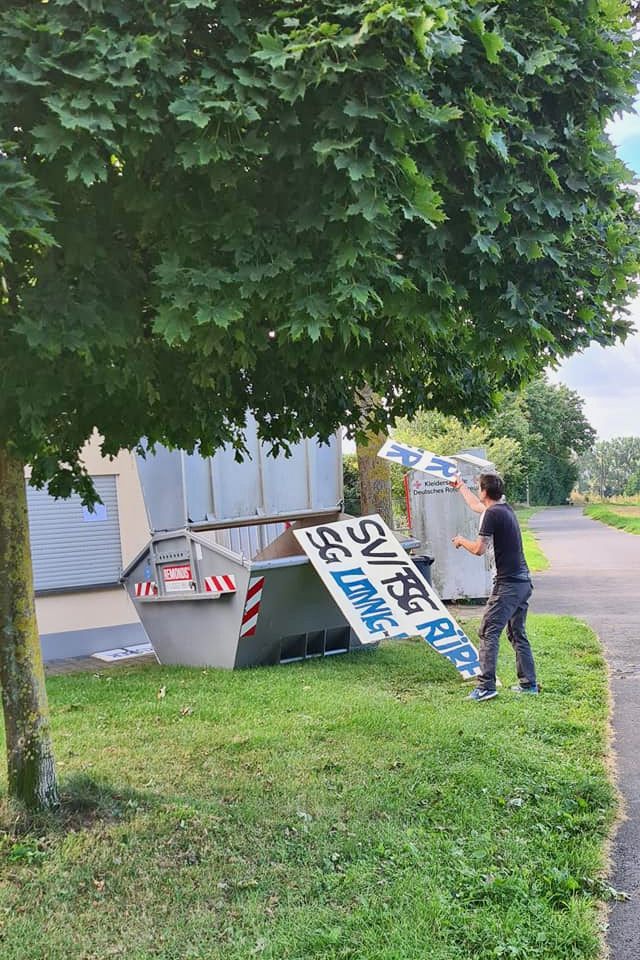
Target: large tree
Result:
[209, 206]
[550, 424]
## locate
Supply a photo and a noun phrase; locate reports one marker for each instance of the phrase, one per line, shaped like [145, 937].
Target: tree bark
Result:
[31, 768]
[375, 478]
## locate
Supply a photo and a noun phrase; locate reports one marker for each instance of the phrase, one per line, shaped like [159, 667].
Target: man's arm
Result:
[469, 498]
[476, 547]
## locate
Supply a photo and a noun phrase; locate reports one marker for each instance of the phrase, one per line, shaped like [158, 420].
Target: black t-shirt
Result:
[501, 523]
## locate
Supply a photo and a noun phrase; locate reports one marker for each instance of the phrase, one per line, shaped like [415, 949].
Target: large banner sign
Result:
[380, 590]
[417, 459]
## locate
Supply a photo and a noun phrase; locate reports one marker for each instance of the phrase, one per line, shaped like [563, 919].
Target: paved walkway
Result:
[595, 575]
[55, 668]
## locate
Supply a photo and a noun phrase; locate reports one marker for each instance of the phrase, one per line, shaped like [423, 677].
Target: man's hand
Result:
[477, 547]
[471, 500]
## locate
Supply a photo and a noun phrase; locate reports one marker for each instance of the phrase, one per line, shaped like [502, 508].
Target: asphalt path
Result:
[595, 575]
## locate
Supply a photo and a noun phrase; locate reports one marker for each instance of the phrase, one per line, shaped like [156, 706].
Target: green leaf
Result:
[356, 168]
[421, 27]
[273, 50]
[50, 137]
[87, 167]
[492, 44]
[219, 315]
[369, 206]
[354, 109]
[189, 112]
[487, 244]
[347, 256]
[497, 140]
[325, 147]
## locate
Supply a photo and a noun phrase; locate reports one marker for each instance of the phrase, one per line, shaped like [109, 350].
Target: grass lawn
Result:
[534, 556]
[352, 807]
[624, 516]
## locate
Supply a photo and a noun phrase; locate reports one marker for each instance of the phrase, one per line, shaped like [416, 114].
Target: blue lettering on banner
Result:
[362, 595]
[438, 465]
[453, 643]
[408, 458]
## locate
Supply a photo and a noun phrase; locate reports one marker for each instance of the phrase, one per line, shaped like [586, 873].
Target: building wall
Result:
[80, 622]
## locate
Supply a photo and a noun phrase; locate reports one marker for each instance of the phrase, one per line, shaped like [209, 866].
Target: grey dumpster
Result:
[202, 604]
[223, 582]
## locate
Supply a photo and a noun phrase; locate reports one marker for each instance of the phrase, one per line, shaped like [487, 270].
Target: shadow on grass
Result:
[85, 802]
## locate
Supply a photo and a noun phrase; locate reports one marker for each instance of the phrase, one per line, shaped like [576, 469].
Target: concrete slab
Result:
[55, 668]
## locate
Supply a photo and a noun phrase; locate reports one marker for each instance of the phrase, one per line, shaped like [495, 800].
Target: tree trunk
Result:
[31, 768]
[375, 478]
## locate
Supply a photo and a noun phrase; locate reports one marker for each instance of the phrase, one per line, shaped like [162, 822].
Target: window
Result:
[70, 546]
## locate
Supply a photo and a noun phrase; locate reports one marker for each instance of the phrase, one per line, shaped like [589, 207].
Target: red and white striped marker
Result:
[223, 583]
[146, 589]
[252, 607]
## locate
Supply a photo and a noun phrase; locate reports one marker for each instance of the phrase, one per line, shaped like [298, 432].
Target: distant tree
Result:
[608, 468]
[632, 488]
[549, 422]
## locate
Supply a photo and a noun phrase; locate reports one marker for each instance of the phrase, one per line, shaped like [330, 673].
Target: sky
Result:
[608, 379]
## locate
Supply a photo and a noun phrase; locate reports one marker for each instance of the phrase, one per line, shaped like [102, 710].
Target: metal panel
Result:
[326, 481]
[438, 513]
[294, 601]
[199, 487]
[286, 481]
[249, 541]
[162, 479]
[182, 489]
[71, 547]
[237, 487]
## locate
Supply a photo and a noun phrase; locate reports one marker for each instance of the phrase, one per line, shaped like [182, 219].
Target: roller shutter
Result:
[70, 546]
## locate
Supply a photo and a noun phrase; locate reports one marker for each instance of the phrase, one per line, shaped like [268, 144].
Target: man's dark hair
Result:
[493, 485]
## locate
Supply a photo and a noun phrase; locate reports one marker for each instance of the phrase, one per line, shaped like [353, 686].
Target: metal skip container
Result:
[202, 604]
[223, 581]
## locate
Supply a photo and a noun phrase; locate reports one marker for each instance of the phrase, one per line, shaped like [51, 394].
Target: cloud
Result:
[626, 126]
[608, 380]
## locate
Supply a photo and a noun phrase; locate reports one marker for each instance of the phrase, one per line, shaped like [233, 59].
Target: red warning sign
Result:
[177, 577]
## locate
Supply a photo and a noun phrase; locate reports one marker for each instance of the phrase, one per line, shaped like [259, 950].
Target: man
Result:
[509, 601]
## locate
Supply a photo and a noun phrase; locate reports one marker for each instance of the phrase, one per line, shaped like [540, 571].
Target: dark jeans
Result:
[506, 607]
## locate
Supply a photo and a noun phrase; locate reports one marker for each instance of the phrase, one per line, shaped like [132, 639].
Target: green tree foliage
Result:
[632, 488]
[448, 435]
[351, 480]
[209, 206]
[611, 467]
[535, 435]
[549, 422]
